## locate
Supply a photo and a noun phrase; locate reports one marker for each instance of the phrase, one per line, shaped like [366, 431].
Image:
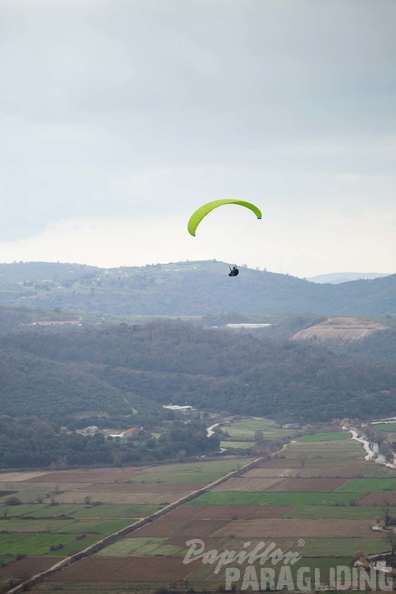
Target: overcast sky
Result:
[120, 117]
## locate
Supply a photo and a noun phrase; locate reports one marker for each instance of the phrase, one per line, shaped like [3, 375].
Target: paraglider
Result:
[234, 271]
[205, 209]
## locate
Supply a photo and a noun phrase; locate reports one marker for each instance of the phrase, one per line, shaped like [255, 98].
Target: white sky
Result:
[119, 118]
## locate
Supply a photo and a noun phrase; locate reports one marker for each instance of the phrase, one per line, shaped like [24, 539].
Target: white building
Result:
[178, 408]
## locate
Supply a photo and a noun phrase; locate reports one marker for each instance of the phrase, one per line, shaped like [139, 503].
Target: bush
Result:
[57, 547]
[13, 500]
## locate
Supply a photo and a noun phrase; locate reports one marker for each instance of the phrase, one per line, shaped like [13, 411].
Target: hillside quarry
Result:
[344, 329]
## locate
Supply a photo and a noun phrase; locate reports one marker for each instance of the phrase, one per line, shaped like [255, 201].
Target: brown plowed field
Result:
[126, 569]
[273, 528]
[118, 487]
[383, 498]
[20, 476]
[271, 511]
[64, 487]
[340, 470]
[190, 528]
[229, 512]
[87, 475]
[235, 544]
[148, 487]
[282, 464]
[308, 484]
[271, 472]
[115, 497]
[28, 566]
[247, 484]
[209, 542]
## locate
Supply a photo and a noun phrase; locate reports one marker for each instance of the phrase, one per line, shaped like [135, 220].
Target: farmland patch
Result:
[32, 544]
[275, 498]
[114, 511]
[308, 484]
[379, 498]
[278, 527]
[89, 475]
[142, 547]
[388, 427]
[190, 528]
[326, 547]
[368, 485]
[26, 567]
[327, 436]
[157, 487]
[260, 472]
[114, 497]
[160, 570]
[202, 472]
[316, 512]
[247, 484]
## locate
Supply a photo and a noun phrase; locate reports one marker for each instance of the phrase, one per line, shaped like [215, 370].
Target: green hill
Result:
[33, 385]
[213, 369]
[187, 289]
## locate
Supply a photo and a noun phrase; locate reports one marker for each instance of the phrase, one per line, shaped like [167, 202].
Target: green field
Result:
[21, 525]
[275, 498]
[31, 544]
[368, 485]
[42, 510]
[77, 545]
[62, 512]
[236, 444]
[324, 454]
[95, 527]
[328, 436]
[245, 430]
[347, 512]
[389, 427]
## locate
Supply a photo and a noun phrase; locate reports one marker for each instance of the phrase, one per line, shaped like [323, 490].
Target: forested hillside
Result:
[187, 289]
[216, 370]
[33, 385]
[379, 347]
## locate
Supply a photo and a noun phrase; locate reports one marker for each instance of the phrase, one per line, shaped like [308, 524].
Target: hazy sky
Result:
[120, 117]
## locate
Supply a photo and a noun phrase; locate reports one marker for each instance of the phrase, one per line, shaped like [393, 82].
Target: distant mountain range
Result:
[343, 277]
[187, 289]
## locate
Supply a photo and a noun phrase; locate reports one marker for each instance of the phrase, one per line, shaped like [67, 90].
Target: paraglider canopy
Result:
[205, 209]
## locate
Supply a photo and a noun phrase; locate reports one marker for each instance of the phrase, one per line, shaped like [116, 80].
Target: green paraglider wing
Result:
[205, 209]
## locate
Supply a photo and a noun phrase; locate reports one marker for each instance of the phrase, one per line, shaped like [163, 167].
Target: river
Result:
[372, 450]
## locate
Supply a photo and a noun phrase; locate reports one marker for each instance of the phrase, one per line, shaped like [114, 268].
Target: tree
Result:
[386, 515]
[259, 437]
[391, 541]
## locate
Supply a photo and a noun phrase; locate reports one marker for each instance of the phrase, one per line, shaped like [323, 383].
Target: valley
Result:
[318, 498]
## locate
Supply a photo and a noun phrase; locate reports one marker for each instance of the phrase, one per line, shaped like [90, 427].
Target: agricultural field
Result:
[388, 427]
[240, 445]
[328, 436]
[47, 516]
[317, 500]
[245, 431]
